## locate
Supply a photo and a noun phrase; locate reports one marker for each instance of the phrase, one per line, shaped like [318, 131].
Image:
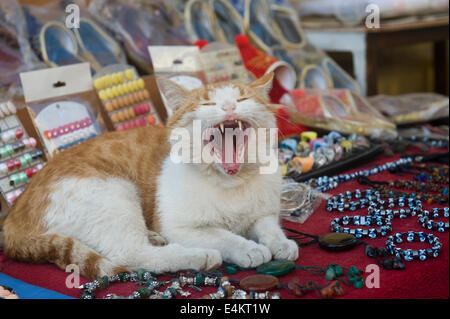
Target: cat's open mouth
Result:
[230, 144]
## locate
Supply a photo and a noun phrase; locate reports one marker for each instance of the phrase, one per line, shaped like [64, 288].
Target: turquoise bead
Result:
[330, 274]
[231, 270]
[358, 283]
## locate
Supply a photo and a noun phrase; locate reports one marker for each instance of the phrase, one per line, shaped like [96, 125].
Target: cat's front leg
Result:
[233, 248]
[267, 231]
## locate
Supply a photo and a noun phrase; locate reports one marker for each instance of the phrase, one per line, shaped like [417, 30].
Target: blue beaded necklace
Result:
[326, 183]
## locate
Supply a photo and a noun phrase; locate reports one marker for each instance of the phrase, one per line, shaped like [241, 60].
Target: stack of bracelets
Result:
[381, 200]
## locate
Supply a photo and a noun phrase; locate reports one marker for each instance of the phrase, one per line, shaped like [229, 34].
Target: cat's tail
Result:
[62, 251]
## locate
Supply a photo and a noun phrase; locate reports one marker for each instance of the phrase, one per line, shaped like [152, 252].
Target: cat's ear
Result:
[264, 84]
[175, 95]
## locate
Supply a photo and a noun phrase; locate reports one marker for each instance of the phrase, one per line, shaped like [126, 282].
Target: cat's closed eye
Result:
[208, 104]
[242, 99]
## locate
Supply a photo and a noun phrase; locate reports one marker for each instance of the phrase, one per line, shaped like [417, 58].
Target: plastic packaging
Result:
[16, 54]
[299, 201]
[338, 110]
[139, 26]
[412, 108]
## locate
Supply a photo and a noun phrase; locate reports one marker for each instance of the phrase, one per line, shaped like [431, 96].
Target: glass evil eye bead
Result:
[338, 225]
[410, 254]
[426, 219]
[326, 183]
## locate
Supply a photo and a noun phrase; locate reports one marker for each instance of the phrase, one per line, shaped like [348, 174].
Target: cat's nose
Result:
[229, 107]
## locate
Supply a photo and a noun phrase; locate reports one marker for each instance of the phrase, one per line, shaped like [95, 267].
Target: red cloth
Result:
[428, 279]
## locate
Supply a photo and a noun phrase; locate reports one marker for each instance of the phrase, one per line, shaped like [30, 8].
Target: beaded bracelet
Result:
[385, 223]
[428, 223]
[410, 254]
[326, 183]
[369, 198]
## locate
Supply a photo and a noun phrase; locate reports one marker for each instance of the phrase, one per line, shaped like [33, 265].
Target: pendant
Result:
[276, 268]
[259, 283]
[337, 241]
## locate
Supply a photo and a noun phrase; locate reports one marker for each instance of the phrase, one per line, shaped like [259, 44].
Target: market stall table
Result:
[429, 279]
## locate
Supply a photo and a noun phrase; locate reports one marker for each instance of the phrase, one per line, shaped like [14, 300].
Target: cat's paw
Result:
[251, 256]
[201, 259]
[156, 239]
[284, 249]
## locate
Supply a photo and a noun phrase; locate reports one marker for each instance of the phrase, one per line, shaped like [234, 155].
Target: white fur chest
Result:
[187, 198]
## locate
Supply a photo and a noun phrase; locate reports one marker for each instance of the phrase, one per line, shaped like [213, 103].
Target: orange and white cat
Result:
[118, 202]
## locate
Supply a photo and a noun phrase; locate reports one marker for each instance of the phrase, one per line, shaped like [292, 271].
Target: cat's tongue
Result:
[233, 167]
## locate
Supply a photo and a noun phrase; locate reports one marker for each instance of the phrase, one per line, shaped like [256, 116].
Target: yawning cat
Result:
[119, 202]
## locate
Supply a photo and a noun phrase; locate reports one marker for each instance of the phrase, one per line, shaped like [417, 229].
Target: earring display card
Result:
[223, 63]
[125, 98]
[19, 158]
[64, 124]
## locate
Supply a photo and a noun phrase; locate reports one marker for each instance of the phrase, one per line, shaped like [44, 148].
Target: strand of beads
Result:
[426, 221]
[368, 198]
[326, 183]
[428, 198]
[226, 290]
[146, 279]
[337, 225]
[410, 254]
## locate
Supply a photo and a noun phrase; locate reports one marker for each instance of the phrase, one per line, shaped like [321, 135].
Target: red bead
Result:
[19, 133]
[10, 165]
[16, 163]
[137, 110]
[29, 172]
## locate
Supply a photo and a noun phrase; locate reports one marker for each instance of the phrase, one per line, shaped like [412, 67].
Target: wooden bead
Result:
[115, 118]
[109, 107]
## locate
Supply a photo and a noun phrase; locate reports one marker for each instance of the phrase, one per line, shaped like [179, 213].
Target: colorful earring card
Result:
[19, 158]
[63, 106]
[125, 98]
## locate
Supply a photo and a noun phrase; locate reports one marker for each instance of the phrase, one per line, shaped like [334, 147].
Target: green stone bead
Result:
[144, 292]
[3, 152]
[199, 279]
[276, 268]
[358, 283]
[338, 270]
[352, 278]
[140, 274]
[231, 270]
[353, 271]
[330, 274]
[123, 276]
